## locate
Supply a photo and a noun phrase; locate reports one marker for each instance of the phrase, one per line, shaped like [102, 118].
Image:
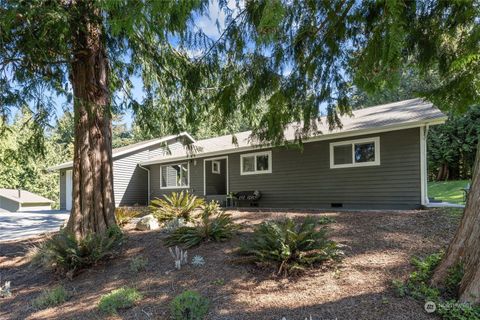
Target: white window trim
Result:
[218, 167]
[255, 154]
[375, 140]
[173, 164]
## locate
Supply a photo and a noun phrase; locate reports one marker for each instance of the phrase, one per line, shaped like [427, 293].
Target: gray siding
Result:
[9, 205]
[63, 187]
[130, 182]
[303, 178]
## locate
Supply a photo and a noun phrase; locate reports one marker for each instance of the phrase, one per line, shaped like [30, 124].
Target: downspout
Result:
[148, 181]
[427, 127]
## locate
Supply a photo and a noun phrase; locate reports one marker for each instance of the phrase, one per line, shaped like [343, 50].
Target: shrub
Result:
[418, 287]
[290, 246]
[63, 253]
[177, 205]
[174, 224]
[50, 298]
[124, 215]
[213, 224]
[138, 264]
[122, 298]
[189, 305]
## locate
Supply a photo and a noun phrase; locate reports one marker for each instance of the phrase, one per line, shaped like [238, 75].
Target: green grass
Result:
[449, 191]
[122, 298]
[51, 298]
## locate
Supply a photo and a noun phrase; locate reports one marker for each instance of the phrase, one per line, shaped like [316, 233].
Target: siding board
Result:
[303, 178]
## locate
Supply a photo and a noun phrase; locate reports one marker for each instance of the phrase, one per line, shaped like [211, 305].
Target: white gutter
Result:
[148, 181]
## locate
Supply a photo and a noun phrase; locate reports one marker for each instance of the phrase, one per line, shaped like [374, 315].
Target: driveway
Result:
[17, 225]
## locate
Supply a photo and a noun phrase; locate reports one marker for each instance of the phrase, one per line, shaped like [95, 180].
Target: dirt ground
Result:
[379, 246]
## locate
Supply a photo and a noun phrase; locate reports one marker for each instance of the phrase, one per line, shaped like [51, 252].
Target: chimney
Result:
[19, 193]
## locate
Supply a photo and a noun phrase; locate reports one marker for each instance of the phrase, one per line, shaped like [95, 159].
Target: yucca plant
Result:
[212, 224]
[177, 205]
[289, 246]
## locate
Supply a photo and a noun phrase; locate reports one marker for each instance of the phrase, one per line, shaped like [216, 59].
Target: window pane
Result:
[262, 162]
[342, 154]
[183, 175]
[248, 164]
[365, 152]
[164, 177]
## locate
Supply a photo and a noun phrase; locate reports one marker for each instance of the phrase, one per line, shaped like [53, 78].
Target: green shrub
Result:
[213, 224]
[177, 205]
[453, 310]
[290, 246]
[63, 253]
[138, 264]
[189, 305]
[122, 298]
[50, 298]
[124, 215]
[418, 286]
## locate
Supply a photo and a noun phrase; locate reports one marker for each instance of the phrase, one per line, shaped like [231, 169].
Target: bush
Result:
[418, 286]
[290, 246]
[177, 205]
[63, 253]
[122, 298]
[189, 305]
[50, 298]
[124, 215]
[138, 264]
[213, 224]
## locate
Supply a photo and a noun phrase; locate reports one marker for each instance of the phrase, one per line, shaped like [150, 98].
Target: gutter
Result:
[148, 181]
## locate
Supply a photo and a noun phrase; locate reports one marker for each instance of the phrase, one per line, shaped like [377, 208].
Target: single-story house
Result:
[377, 160]
[16, 200]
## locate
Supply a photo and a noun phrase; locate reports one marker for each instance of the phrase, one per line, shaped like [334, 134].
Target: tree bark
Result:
[465, 246]
[93, 209]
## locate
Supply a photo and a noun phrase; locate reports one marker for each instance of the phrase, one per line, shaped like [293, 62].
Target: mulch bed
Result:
[379, 246]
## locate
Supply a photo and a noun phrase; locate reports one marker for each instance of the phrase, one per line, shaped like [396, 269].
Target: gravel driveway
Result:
[17, 225]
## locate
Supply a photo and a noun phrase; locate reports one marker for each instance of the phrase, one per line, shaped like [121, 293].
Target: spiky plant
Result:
[289, 246]
[177, 205]
[212, 224]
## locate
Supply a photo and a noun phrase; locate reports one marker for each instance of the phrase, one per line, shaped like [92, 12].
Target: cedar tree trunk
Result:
[465, 246]
[93, 209]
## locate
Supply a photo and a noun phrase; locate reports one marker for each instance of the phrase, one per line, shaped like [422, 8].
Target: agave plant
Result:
[177, 205]
[212, 224]
[290, 246]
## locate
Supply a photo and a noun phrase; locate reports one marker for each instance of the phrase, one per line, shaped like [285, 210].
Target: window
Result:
[355, 153]
[175, 176]
[216, 167]
[256, 163]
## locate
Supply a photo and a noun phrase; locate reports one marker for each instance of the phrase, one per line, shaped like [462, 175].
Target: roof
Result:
[385, 117]
[25, 196]
[131, 148]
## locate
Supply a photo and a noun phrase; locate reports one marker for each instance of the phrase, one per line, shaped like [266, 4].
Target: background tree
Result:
[294, 57]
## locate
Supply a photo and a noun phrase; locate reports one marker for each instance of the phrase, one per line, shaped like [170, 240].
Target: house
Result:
[129, 178]
[377, 160]
[16, 200]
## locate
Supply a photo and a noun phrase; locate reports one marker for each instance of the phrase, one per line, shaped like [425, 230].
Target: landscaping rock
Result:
[147, 223]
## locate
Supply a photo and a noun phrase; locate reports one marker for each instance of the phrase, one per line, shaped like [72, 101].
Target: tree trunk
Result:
[93, 209]
[465, 246]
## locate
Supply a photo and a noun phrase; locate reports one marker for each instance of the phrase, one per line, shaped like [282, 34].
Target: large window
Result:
[355, 153]
[256, 163]
[175, 176]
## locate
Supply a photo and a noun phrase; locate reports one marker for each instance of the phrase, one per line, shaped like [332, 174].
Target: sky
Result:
[206, 22]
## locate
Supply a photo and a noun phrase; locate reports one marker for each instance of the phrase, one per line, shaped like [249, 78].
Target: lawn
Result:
[449, 191]
[378, 249]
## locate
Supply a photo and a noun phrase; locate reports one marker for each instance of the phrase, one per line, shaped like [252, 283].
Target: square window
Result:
[174, 176]
[248, 164]
[342, 154]
[262, 163]
[365, 152]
